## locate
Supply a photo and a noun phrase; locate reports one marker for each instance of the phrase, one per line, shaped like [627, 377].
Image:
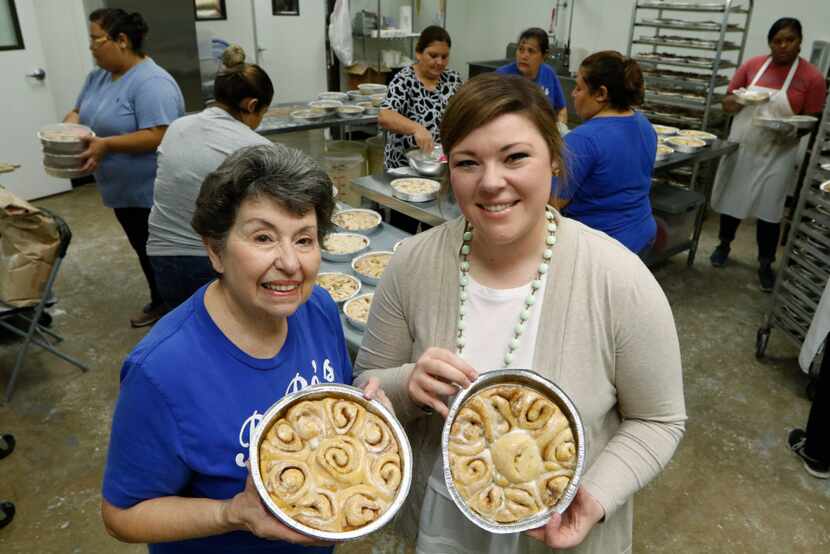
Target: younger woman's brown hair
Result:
[621, 77]
[488, 96]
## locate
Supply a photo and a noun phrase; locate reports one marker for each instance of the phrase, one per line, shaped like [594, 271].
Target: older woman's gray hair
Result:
[285, 175]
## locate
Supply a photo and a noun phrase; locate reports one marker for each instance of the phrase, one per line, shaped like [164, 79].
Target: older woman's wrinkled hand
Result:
[96, 149]
[423, 139]
[438, 373]
[245, 512]
[372, 391]
[570, 528]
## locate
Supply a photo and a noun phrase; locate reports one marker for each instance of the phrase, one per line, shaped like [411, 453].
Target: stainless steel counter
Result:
[382, 239]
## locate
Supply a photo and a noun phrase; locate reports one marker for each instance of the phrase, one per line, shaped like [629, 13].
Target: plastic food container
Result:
[339, 96]
[328, 106]
[372, 88]
[548, 390]
[62, 161]
[369, 108]
[308, 115]
[64, 138]
[373, 408]
[347, 112]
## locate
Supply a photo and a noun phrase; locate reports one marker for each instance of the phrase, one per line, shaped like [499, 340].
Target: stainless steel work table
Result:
[384, 238]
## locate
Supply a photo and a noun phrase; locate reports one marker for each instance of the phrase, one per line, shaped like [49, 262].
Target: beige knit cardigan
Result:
[606, 336]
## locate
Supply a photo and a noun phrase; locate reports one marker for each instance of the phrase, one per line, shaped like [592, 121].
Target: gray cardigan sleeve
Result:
[649, 385]
[386, 350]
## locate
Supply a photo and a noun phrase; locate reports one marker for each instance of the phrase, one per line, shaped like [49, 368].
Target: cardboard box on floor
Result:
[29, 242]
[359, 73]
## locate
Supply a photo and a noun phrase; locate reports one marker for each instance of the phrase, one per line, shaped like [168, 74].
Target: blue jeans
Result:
[178, 277]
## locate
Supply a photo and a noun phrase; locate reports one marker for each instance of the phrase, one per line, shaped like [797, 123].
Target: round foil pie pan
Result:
[557, 396]
[418, 196]
[368, 279]
[316, 392]
[352, 277]
[356, 323]
[375, 215]
[345, 256]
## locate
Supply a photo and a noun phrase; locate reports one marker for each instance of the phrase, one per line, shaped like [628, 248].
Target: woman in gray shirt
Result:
[193, 147]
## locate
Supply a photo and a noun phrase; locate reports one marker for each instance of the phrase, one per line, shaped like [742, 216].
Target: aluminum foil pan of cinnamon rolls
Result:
[330, 464]
[514, 451]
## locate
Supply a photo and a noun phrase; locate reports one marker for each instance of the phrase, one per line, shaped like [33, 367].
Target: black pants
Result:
[134, 221]
[818, 447]
[766, 234]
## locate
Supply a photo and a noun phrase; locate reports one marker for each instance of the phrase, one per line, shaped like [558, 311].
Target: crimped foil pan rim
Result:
[415, 197]
[359, 231]
[373, 281]
[352, 321]
[333, 257]
[533, 379]
[354, 295]
[352, 393]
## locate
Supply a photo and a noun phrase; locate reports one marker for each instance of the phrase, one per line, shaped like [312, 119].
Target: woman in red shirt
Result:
[753, 182]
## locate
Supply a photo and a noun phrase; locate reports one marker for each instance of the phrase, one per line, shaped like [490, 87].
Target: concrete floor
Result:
[732, 486]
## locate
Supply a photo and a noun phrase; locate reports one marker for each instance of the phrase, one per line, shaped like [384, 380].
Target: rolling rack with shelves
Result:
[686, 88]
[805, 266]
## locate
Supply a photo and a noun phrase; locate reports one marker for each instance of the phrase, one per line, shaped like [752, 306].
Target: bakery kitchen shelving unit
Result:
[686, 50]
[385, 35]
[805, 267]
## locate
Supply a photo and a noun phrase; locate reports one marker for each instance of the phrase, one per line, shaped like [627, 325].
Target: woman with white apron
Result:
[754, 181]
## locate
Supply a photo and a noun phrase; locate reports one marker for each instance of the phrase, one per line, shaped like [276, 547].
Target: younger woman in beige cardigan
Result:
[596, 323]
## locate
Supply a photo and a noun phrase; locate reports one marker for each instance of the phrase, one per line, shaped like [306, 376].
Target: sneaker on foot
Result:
[797, 440]
[719, 256]
[766, 276]
[149, 315]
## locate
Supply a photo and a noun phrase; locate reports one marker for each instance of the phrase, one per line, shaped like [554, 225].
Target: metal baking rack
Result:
[685, 87]
[805, 267]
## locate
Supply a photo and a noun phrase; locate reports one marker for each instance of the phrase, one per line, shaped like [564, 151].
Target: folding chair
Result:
[36, 332]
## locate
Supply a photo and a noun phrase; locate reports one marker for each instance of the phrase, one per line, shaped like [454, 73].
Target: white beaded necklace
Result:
[530, 299]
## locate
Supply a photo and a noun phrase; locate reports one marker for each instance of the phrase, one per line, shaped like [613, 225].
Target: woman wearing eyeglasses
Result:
[128, 101]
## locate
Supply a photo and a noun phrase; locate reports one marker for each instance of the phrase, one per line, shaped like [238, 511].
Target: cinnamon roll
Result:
[361, 505]
[346, 416]
[330, 464]
[512, 453]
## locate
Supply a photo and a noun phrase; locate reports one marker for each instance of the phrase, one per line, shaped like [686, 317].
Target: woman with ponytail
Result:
[193, 147]
[610, 157]
[128, 101]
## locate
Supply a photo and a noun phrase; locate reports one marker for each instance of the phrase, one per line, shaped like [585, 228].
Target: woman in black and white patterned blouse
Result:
[417, 98]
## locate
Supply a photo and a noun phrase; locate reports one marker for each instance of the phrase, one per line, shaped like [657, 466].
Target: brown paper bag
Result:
[29, 242]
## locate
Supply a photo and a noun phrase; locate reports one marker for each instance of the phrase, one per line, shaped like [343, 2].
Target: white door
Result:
[292, 49]
[27, 104]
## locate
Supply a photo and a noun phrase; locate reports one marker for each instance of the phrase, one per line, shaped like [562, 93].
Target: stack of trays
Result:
[62, 145]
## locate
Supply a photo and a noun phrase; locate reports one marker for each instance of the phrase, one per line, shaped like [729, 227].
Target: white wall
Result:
[63, 28]
[236, 29]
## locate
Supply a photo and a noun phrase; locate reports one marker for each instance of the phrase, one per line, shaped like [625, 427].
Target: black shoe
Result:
[766, 277]
[6, 513]
[798, 444]
[719, 256]
[6, 445]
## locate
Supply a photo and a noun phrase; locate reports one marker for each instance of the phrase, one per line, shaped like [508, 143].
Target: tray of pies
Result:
[356, 310]
[706, 137]
[514, 450]
[357, 220]
[370, 266]
[331, 464]
[340, 286]
[415, 189]
[342, 247]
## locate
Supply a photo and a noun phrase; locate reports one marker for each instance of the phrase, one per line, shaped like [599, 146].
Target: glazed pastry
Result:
[512, 453]
[330, 464]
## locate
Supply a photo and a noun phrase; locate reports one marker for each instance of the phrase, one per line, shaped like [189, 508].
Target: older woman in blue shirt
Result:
[610, 157]
[129, 102]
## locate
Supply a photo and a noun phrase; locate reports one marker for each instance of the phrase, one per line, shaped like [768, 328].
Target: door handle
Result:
[38, 74]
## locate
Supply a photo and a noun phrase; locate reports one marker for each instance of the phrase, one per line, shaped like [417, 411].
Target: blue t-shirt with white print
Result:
[546, 79]
[190, 401]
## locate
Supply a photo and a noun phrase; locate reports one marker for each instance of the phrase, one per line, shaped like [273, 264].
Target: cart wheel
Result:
[6, 445]
[6, 513]
[811, 389]
[761, 340]
[45, 319]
